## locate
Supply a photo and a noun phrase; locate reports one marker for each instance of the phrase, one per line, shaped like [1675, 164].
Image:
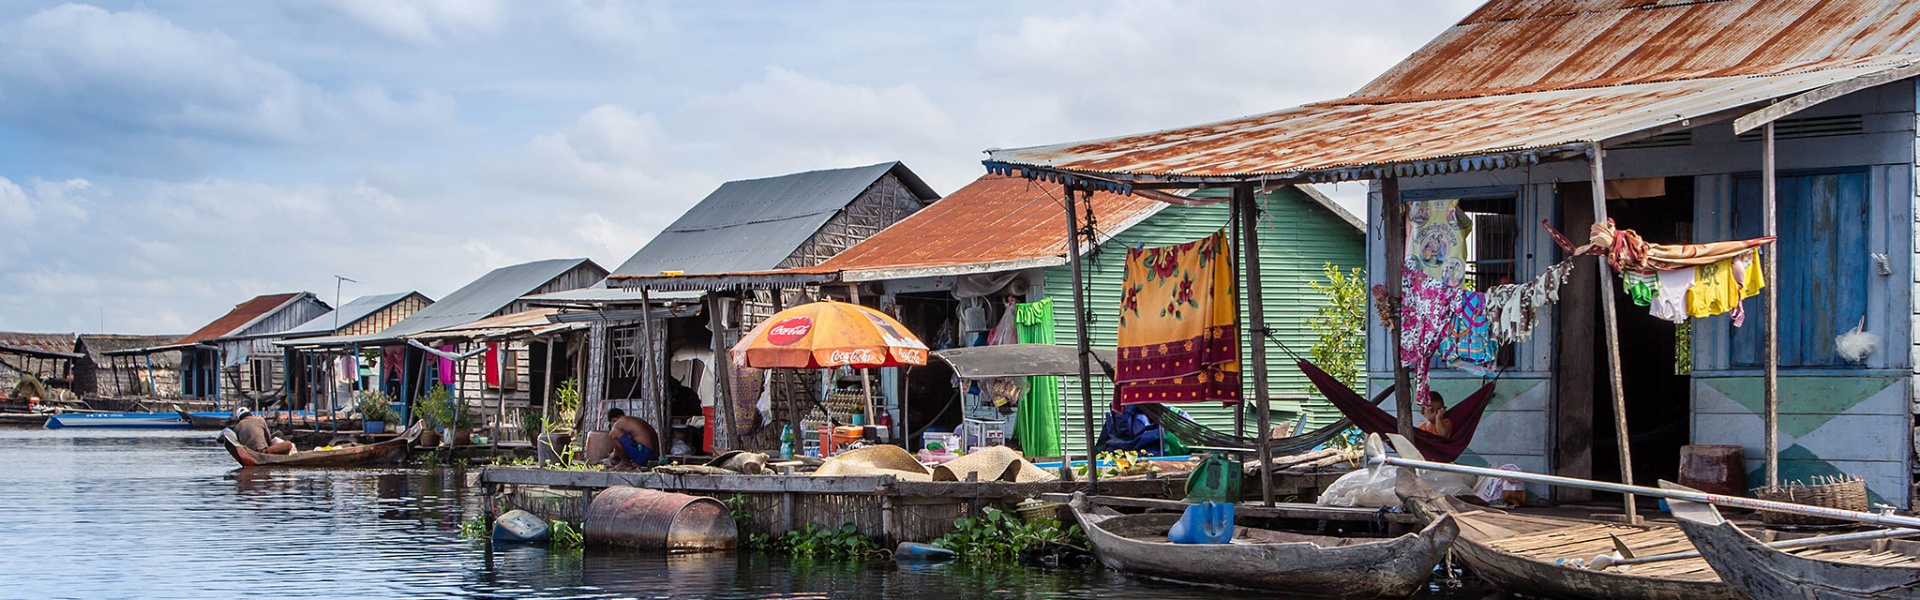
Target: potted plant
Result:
[557, 434]
[375, 412]
[437, 409]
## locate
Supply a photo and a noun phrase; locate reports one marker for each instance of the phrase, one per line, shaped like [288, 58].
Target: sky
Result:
[162, 161]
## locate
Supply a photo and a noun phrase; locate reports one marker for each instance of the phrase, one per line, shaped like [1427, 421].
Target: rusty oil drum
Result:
[656, 520]
[1715, 469]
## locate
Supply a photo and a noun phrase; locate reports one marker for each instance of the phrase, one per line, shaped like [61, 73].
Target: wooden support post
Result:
[723, 393]
[1244, 204]
[546, 408]
[650, 383]
[1771, 382]
[1393, 225]
[1081, 345]
[1611, 320]
[1233, 228]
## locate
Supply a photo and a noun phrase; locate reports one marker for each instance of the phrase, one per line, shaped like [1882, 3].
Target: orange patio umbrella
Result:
[829, 334]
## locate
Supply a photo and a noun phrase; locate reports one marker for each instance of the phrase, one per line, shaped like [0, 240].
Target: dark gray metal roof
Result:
[753, 224]
[478, 300]
[348, 313]
[1021, 360]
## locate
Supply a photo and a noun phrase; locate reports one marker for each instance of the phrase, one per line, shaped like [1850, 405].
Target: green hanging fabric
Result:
[1037, 422]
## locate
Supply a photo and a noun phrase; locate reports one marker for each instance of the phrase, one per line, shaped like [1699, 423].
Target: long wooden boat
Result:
[386, 452]
[1765, 573]
[1547, 556]
[204, 420]
[1296, 565]
[138, 420]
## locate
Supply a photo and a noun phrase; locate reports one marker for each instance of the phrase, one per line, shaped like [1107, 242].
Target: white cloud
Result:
[425, 22]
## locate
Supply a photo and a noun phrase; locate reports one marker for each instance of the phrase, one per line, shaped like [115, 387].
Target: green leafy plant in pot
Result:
[556, 434]
[438, 410]
[375, 412]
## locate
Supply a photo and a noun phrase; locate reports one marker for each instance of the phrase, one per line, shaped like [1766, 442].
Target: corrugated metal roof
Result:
[1346, 142]
[1520, 81]
[1511, 46]
[474, 301]
[98, 344]
[534, 321]
[348, 313]
[754, 224]
[38, 342]
[994, 220]
[604, 295]
[242, 315]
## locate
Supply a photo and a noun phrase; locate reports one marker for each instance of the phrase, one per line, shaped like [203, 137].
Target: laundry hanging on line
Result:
[1626, 251]
[1178, 334]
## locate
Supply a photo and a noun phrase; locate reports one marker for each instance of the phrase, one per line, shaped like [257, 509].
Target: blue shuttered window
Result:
[1824, 265]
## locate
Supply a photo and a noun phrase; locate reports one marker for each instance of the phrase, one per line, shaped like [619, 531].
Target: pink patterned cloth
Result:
[1426, 311]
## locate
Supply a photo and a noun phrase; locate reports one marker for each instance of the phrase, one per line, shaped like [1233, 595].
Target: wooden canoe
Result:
[1295, 565]
[1765, 573]
[1522, 554]
[386, 452]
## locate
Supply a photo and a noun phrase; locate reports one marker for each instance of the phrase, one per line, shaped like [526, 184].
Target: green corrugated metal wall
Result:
[1297, 237]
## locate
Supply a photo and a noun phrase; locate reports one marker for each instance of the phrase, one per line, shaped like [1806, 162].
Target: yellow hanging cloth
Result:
[1719, 287]
[1178, 338]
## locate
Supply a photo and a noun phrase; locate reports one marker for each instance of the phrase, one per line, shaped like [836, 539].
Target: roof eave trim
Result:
[1122, 183]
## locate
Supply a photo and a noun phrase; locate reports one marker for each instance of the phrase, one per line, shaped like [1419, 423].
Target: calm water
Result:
[167, 515]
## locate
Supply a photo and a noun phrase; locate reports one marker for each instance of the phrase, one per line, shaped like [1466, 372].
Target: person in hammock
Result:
[1436, 414]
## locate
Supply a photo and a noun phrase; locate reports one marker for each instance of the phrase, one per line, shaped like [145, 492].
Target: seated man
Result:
[639, 443]
[253, 433]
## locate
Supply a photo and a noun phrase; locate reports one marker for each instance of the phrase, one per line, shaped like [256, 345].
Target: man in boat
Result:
[252, 431]
[638, 442]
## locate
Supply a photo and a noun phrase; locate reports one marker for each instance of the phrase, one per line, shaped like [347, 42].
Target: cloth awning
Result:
[1350, 140]
[1021, 360]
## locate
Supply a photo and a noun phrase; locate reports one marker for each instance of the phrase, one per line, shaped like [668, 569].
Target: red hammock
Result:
[1465, 415]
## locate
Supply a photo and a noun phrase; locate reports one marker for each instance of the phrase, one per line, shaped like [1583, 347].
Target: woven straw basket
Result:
[1844, 492]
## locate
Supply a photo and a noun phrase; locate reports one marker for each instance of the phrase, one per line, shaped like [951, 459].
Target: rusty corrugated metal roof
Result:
[241, 315]
[1346, 142]
[534, 322]
[996, 220]
[1519, 80]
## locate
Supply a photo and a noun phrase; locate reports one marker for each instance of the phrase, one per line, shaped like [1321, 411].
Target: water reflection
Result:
[167, 515]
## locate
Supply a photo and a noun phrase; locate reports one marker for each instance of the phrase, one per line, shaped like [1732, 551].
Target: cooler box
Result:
[833, 438]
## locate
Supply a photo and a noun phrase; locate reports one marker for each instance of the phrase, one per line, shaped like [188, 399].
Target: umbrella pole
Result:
[866, 395]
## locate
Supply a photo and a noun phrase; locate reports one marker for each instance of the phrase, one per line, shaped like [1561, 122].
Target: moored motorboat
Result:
[1296, 565]
[385, 452]
[1547, 556]
[1863, 570]
[144, 420]
[205, 420]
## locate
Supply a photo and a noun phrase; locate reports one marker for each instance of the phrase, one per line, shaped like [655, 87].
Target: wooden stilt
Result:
[1612, 322]
[546, 406]
[1243, 203]
[723, 393]
[1771, 382]
[649, 376]
[1081, 344]
[1393, 226]
[1233, 228]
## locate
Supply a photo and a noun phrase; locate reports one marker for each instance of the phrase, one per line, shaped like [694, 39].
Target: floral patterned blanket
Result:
[1178, 339]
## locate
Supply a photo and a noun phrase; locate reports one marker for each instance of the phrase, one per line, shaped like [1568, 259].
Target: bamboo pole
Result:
[1081, 344]
[1393, 225]
[1771, 382]
[1595, 158]
[1243, 203]
[546, 408]
[648, 375]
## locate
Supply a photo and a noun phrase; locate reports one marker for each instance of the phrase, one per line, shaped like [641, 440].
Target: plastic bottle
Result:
[885, 422]
[786, 442]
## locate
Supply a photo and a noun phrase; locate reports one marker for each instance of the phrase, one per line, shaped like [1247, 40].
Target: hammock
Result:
[1195, 434]
[1465, 416]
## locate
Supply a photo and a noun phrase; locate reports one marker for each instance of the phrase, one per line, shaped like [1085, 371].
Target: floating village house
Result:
[48, 357]
[100, 375]
[366, 315]
[954, 270]
[791, 220]
[217, 363]
[1505, 119]
[433, 346]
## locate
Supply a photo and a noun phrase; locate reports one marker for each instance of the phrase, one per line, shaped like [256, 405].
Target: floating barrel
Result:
[656, 520]
[1715, 469]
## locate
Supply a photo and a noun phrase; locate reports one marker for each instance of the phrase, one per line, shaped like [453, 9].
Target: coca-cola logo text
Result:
[789, 330]
[858, 356]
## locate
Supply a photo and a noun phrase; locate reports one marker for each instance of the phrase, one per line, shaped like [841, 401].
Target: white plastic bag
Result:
[1373, 487]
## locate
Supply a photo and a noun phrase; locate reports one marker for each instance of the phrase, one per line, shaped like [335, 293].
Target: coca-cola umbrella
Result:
[829, 334]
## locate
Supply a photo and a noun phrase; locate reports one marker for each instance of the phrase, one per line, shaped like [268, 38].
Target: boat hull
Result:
[1492, 544]
[1765, 573]
[1384, 568]
[382, 453]
[118, 421]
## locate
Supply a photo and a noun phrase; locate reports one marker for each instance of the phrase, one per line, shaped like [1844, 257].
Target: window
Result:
[1824, 265]
[260, 371]
[1491, 246]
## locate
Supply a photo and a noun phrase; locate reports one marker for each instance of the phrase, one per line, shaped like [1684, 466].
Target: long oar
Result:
[1377, 455]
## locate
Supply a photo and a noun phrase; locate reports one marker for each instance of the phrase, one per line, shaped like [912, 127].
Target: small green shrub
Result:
[373, 406]
[821, 542]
